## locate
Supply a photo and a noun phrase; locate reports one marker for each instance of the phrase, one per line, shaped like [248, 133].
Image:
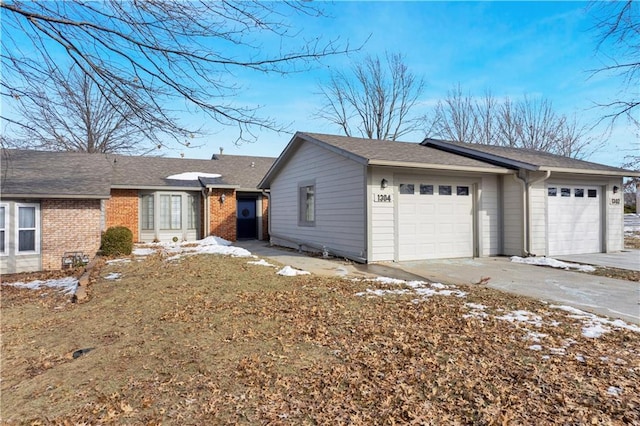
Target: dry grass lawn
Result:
[214, 340]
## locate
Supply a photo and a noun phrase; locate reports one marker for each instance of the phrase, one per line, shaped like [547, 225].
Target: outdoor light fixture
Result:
[384, 183]
[222, 198]
[615, 189]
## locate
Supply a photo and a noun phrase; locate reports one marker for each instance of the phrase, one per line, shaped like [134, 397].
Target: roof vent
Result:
[221, 150]
[253, 164]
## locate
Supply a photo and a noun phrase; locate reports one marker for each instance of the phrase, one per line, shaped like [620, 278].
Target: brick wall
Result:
[122, 210]
[222, 219]
[68, 225]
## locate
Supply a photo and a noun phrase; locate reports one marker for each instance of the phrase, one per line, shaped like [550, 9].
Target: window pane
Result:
[462, 190]
[578, 192]
[426, 189]
[444, 189]
[192, 205]
[26, 217]
[310, 203]
[552, 192]
[27, 240]
[165, 212]
[2, 241]
[592, 193]
[176, 208]
[565, 192]
[2, 223]
[147, 212]
[407, 188]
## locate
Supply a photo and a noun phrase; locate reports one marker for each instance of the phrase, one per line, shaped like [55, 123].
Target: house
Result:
[371, 200]
[54, 203]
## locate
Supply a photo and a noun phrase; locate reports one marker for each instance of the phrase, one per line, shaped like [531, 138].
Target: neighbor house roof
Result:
[528, 159]
[45, 174]
[38, 174]
[234, 171]
[382, 153]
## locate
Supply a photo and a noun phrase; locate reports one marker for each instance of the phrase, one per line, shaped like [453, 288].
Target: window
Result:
[592, 193]
[3, 228]
[28, 216]
[170, 212]
[578, 192]
[407, 188]
[146, 221]
[462, 190]
[552, 191]
[192, 208]
[426, 189]
[307, 203]
[565, 192]
[444, 189]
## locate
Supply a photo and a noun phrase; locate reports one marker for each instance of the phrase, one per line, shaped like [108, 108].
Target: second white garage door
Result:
[574, 218]
[435, 219]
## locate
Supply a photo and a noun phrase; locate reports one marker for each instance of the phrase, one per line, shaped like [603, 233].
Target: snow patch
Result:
[288, 271]
[547, 261]
[67, 285]
[614, 390]
[419, 288]
[261, 262]
[593, 325]
[522, 316]
[113, 276]
[193, 176]
[143, 251]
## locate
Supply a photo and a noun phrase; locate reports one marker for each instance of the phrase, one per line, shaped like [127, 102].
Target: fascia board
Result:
[501, 171]
[622, 173]
[55, 196]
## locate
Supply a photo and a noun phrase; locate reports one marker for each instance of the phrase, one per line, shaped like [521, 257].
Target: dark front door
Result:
[247, 221]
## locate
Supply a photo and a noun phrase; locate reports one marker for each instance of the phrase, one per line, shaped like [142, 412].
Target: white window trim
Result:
[6, 230]
[302, 221]
[17, 229]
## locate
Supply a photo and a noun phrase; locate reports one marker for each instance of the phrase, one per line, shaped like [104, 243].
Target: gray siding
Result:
[340, 214]
[512, 217]
[489, 216]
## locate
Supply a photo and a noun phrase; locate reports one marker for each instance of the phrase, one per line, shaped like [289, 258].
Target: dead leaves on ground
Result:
[212, 340]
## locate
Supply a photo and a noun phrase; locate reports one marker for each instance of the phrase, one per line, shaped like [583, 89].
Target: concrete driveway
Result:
[600, 295]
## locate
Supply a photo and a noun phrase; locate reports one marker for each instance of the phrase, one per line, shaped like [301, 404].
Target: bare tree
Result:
[151, 58]
[527, 123]
[618, 35]
[373, 100]
[77, 116]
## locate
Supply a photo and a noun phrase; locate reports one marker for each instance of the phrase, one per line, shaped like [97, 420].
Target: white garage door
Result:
[574, 215]
[435, 219]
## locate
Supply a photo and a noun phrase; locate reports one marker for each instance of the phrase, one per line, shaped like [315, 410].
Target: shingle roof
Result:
[38, 174]
[243, 172]
[524, 158]
[382, 152]
[33, 174]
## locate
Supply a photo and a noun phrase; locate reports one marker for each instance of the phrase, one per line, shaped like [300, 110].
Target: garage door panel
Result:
[443, 223]
[574, 221]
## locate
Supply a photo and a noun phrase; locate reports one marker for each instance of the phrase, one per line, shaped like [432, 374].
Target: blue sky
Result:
[510, 48]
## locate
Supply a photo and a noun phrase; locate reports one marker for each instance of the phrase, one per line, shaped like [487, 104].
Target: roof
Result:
[36, 174]
[382, 153]
[528, 159]
[40, 174]
[237, 171]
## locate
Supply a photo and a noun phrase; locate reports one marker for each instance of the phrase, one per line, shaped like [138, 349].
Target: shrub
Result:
[117, 241]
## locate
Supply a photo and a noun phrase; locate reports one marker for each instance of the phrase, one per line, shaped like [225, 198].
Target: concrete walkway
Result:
[599, 295]
[626, 259]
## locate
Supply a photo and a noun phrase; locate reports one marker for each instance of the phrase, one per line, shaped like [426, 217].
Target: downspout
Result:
[206, 192]
[526, 185]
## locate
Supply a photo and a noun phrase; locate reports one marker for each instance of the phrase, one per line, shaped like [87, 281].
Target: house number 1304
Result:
[383, 198]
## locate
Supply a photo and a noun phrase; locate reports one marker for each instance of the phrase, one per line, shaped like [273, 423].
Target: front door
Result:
[247, 224]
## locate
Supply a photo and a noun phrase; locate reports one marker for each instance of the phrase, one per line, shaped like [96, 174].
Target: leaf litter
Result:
[213, 339]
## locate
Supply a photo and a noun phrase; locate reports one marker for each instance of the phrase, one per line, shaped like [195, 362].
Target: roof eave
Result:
[158, 187]
[479, 155]
[495, 170]
[293, 144]
[618, 173]
[5, 195]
